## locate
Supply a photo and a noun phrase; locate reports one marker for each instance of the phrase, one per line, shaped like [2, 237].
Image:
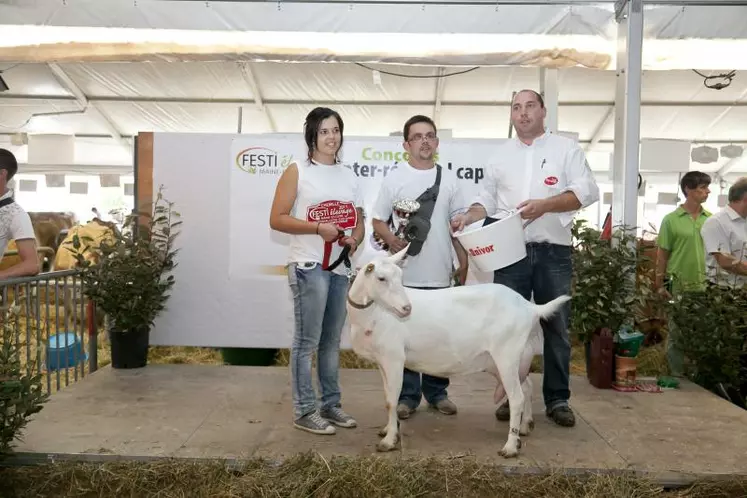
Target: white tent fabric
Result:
[409, 32]
[377, 64]
[126, 98]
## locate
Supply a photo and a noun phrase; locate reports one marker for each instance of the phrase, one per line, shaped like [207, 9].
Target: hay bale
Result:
[311, 474]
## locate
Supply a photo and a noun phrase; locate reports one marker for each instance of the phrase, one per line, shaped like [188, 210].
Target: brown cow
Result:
[48, 225]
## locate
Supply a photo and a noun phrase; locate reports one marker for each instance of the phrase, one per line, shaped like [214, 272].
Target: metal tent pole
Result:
[629, 14]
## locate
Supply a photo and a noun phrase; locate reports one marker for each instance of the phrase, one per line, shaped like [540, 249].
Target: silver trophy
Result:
[403, 209]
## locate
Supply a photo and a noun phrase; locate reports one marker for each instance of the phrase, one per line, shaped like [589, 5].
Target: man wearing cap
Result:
[548, 177]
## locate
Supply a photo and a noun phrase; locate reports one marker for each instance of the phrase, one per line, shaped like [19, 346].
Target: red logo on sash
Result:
[551, 180]
[340, 213]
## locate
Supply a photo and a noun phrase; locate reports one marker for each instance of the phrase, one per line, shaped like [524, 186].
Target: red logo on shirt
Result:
[551, 180]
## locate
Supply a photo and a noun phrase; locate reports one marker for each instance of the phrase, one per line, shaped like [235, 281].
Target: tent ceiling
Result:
[422, 32]
[111, 68]
[205, 97]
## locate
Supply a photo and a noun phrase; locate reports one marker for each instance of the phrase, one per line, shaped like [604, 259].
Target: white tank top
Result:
[326, 194]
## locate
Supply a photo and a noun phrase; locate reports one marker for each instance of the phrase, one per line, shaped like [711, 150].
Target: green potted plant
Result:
[711, 330]
[129, 278]
[608, 290]
[21, 389]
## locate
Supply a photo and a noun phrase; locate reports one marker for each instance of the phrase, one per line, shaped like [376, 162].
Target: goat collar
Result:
[359, 306]
[353, 303]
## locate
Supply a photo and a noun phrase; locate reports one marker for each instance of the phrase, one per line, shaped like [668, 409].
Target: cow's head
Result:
[381, 282]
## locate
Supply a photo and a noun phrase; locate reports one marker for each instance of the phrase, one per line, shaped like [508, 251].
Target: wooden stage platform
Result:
[231, 412]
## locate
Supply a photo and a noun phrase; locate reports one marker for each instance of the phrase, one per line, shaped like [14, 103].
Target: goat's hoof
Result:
[525, 429]
[384, 445]
[507, 452]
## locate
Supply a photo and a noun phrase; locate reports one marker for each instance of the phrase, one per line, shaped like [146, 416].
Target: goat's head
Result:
[382, 282]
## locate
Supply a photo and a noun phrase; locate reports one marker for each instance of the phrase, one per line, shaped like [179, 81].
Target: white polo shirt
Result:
[15, 223]
[550, 166]
[725, 232]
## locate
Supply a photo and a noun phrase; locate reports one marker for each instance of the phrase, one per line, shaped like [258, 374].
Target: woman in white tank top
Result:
[318, 203]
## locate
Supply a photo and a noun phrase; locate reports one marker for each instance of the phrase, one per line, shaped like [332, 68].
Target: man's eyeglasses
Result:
[419, 138]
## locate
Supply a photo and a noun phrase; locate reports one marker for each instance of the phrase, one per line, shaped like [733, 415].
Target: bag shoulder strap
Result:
[431, 192]
[7, 202]
[428, 203]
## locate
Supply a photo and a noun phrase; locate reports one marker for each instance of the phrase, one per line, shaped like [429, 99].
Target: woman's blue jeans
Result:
[319, 308]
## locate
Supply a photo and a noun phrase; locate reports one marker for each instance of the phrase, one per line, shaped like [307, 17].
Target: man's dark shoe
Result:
[503, 413]
[404, 411]
[563, 416]
[445, 406]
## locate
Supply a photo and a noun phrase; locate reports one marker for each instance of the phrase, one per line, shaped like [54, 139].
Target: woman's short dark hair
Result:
[694, 179]
[311, 128]
[8, 162]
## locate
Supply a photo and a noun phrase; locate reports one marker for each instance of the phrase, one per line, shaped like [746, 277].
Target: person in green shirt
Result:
[680, 264]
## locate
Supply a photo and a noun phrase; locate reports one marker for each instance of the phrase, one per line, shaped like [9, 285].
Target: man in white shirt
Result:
[725, 239]
[15, 224]
[432, 267]
[547, 175]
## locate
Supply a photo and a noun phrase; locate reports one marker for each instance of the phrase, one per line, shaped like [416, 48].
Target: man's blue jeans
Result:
[319, 308]
[547, 272]
[433, 389]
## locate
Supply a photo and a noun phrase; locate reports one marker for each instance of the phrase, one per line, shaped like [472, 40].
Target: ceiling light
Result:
[731, 151]
[704, 154]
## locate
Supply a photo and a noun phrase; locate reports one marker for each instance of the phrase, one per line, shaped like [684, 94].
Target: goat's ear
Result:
[398, 257]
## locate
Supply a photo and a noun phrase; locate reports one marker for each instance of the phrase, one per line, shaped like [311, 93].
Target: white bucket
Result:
[494, 246]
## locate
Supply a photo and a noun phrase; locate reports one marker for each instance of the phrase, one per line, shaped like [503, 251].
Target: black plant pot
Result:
[129, 348]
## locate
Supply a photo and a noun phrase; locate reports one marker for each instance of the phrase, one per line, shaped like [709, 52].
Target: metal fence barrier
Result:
[54, 326]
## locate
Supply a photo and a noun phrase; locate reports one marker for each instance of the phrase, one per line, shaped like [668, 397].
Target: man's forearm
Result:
[562, 203]
[732, 264]
[382, 229]
[22, 269]
[661, 267]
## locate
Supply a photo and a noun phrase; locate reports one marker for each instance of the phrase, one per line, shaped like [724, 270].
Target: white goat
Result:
[447, 332]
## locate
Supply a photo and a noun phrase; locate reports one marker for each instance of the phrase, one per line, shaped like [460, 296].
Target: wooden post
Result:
[144, 174]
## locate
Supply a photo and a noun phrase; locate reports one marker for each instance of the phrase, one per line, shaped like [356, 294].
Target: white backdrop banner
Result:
[231, 284]
[256, 163]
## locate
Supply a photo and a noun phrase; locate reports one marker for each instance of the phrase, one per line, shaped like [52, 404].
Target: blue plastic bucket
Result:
[64, 350]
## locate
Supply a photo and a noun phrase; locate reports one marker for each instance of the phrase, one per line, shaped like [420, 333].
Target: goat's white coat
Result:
[446, 333]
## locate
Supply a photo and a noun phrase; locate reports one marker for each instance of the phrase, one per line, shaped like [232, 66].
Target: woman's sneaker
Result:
[339, 417]
[314, 423]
